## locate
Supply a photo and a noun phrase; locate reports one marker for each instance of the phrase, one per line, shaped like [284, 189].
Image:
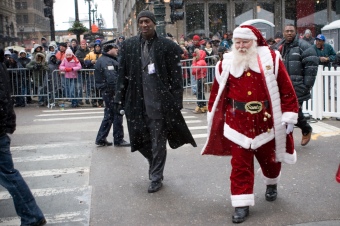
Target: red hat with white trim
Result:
[249, 32]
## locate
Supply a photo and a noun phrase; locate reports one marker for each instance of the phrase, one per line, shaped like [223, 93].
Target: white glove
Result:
[290, 127]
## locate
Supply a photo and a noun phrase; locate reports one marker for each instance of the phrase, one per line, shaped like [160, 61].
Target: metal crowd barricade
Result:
[190, 84]
[30, 83]
[82, 87]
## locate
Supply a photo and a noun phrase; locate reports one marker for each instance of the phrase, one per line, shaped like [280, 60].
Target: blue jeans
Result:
[11, 179]
[70, 89]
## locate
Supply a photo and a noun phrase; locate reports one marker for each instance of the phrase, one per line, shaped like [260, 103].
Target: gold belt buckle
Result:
[253, 107]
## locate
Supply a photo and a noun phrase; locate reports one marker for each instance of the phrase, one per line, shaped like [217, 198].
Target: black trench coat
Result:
[165, 54]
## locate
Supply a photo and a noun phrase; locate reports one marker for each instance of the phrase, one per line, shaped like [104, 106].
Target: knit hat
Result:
[83, 41]
[7, 52]
[307, 31]
[43, 38]
[148, 14]
[222, 49]
[108, 45]
[278, 35]
[196, 38]
[249, 32]
[68, 51]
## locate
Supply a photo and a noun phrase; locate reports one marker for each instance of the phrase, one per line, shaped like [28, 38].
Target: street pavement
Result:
[77, 183]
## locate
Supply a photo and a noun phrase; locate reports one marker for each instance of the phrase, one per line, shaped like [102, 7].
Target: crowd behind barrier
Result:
[53, 88]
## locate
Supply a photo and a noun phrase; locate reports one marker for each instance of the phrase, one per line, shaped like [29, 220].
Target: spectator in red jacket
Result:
[199, 70]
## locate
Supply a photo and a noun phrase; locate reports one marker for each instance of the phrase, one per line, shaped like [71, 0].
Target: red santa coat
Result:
[268, 80]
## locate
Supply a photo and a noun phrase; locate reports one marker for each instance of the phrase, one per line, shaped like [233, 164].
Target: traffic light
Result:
[174, 5]
[48, 3]
[48, 12]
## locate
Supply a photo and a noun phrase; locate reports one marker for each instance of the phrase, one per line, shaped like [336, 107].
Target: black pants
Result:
[155, 150]
[302, 122]
[110, 119]
[200, 93]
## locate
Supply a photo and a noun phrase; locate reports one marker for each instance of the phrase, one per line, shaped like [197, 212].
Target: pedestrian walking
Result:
[106, 75]
[10, 178]
[150, 90]
[301, 62]
[252, 112]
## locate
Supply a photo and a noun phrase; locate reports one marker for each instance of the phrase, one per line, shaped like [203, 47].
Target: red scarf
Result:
[72, 58]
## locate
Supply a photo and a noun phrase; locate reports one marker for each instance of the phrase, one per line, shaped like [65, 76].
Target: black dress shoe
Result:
[271, 192]
[123, 143]
[155, 186]
[104, 143]
[240, 214]
[40, 223]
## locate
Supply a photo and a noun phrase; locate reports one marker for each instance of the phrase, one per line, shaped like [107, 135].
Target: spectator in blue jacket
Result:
[324, 51]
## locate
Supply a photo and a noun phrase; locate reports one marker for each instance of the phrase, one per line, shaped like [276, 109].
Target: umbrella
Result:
[15, 48]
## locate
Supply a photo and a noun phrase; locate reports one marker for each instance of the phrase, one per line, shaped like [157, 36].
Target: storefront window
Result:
[217, 19]
[194, 19]
[265, 11]
[243, 12]
[334, 15]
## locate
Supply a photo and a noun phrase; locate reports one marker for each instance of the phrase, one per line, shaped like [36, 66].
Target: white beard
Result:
[244, 61]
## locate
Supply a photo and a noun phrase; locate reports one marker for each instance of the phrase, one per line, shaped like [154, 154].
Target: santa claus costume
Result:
[251, 112]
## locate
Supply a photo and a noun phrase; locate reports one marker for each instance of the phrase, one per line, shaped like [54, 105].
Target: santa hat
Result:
[68, 51]
[196, 38]
[249, 32]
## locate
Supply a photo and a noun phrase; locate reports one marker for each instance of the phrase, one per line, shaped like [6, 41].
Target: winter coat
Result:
[35, 52]
[71, 67]
[301, 62]
[7, 114]
[327, 51]
[165, 54]
[199, 72]
[50, 53]
[106, 72]
[38, 69]
[268, 81]
[89, 57]
[81, 54]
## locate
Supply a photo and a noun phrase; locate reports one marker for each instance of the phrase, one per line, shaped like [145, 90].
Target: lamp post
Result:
[94, 11]
[89, 2]
[22, 29]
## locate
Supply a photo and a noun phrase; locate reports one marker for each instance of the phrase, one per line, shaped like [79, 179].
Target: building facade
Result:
[210, 17]
[7, 23]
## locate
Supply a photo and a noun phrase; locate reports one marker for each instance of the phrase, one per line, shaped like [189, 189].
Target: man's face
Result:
[83, 45]
[113, 52]
[307, 35]
[51, 49]
[22, 55]
[73, 43]
[62, 48]
[38, 49]
[120, 40]
[97, 49]
[146, 27]
[242, 45]
[319, 43]
[289, 33]
[39, 59]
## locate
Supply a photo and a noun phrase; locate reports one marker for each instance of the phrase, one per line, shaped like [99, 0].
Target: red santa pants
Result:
[242, 173]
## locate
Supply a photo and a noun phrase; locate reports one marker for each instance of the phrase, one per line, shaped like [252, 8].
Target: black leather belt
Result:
[251, 107]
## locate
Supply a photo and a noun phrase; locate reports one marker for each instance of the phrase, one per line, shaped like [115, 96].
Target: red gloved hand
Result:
[68, 69]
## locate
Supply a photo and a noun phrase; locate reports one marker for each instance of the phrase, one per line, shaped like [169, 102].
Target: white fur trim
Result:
[244, 33]
[246, 142]
[290, 117]
[217, 72]
[242, 200]
[286, 157]
[267, 180]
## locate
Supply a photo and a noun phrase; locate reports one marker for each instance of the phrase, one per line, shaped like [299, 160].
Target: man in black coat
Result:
[150, 89]
[10, 178]
[105, 71]
[301, 62]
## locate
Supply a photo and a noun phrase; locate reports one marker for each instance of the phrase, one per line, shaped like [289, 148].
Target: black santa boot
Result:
[240, 214]
[271, 192]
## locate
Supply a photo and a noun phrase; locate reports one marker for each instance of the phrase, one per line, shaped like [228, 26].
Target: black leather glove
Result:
[118, 109]
[58, 62]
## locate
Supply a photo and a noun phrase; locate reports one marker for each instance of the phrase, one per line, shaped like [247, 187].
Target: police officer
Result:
[106, 76]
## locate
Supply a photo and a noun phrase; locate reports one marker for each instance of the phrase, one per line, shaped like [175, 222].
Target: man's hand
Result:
[118, 109]
[324, 59]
